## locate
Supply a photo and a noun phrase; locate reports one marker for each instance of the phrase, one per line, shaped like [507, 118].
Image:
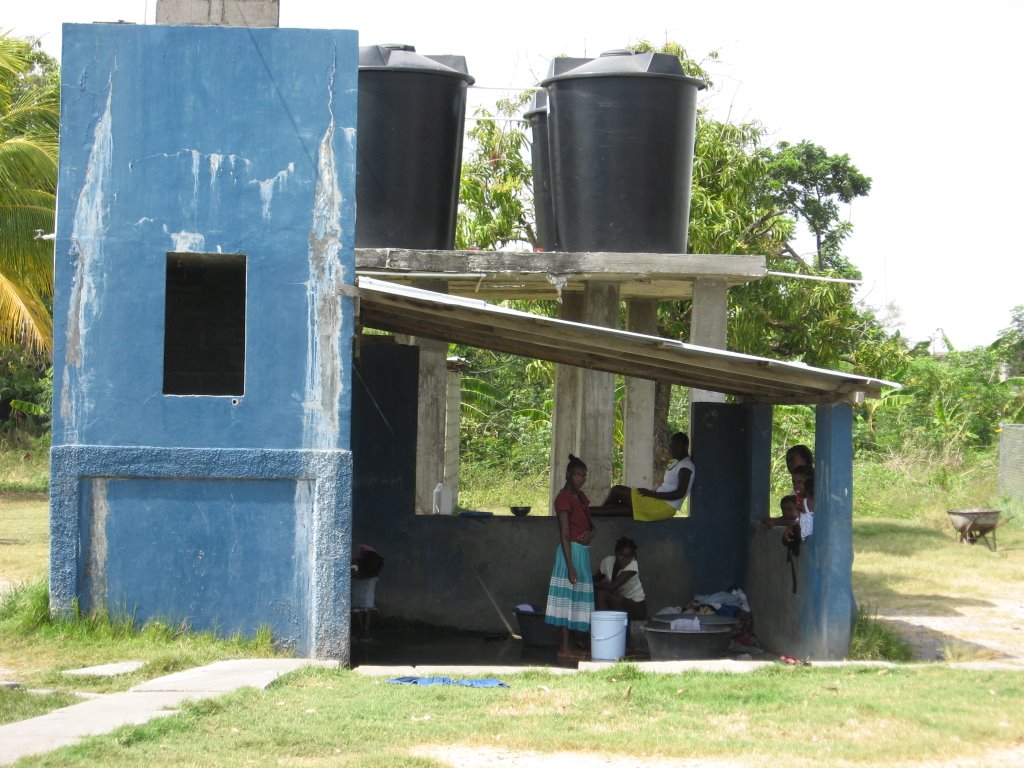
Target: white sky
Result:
[923, 96]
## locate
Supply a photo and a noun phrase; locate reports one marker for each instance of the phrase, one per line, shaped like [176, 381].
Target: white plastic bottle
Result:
[442, 499]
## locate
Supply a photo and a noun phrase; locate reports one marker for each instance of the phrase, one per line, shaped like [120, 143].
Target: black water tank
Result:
[621, 132]
[543, 205]
[537, 117]
[411, 114]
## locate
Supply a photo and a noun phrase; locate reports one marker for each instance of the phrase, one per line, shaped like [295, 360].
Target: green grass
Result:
[24, 463]
[872, 640]
[804, 716]
[903, 489]
[490, 491]
[24, 537]
[20, 704]
[38, 647]
[920, 568]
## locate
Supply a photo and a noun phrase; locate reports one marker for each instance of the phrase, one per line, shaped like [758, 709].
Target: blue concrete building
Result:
[208, 463]
[203, 320]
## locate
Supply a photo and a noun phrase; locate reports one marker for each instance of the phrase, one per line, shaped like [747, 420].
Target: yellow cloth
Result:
[648, 509]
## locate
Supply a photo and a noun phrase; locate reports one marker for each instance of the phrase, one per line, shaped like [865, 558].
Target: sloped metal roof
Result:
[414, 311]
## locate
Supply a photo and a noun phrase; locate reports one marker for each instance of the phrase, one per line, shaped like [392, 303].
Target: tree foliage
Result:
[1010, 344]
[495, 193]
[809, 183]
[29, 120]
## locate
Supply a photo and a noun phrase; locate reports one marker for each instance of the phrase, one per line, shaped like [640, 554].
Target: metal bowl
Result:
[520, 511]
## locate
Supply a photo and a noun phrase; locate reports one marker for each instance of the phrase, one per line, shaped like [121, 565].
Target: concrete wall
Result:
[232, 13]
[434, 564]
[227, 511]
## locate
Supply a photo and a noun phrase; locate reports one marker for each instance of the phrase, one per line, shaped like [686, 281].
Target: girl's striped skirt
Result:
[569, 605]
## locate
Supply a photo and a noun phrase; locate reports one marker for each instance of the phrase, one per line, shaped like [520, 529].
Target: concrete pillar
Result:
[565, 412]
[827, 607]
[430, 411]
[452, 427]
[638, 451]
[597, 395]
[226, 13]
[709, 325]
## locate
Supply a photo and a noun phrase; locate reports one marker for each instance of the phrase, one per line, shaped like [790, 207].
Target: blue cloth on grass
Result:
[483, 682]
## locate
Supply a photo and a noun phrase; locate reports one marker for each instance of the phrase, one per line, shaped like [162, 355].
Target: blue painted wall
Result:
[206, 140]
[828, 612]
[815, 622]
[719, 438]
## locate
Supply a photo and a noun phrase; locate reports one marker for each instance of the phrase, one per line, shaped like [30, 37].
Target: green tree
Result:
[495, 192]
[810, 184]
[956, 403]
[29, 120]
[1010, 344]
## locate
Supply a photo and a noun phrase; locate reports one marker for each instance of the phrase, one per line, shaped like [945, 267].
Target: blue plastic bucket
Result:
[608, 635]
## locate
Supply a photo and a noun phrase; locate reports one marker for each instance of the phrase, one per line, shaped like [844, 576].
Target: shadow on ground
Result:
[398, 644]
[932, 645]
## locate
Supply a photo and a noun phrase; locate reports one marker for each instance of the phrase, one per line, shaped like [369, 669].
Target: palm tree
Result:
[29, 120]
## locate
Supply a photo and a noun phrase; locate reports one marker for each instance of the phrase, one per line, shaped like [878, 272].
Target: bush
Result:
[871, 640]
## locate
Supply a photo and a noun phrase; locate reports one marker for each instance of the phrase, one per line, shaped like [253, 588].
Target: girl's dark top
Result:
[578, 507]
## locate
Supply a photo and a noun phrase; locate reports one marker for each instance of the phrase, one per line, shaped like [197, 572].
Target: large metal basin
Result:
[682, 644]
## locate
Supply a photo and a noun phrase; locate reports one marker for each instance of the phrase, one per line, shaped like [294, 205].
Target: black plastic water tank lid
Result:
[622, 62]
[396, 57]
[538, 105]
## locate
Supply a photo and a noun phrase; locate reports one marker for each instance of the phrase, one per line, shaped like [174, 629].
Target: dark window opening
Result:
[204, 325]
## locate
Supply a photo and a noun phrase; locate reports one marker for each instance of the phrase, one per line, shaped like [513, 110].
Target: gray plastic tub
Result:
[536, 632]
[682, 644]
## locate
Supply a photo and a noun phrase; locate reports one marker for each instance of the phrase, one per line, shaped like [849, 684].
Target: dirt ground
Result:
[488, 757]
[989, 629]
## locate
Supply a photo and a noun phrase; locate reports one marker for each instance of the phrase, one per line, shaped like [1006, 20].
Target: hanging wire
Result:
[496, 119]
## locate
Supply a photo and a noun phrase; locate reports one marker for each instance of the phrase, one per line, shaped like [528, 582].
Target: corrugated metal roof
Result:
[403, 309]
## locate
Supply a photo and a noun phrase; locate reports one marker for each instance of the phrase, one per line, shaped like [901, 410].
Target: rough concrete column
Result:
[709, 325]
[827, 609]
[597, 395]
[227, 13]
[638, 452]
[430, 418]
[565, 412]
[452, 427]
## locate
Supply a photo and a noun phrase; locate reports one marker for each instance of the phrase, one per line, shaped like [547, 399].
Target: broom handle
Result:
[496, 608]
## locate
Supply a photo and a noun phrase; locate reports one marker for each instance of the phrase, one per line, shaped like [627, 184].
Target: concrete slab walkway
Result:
[155, 698]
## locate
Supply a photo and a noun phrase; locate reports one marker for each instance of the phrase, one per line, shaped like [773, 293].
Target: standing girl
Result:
[571, 589]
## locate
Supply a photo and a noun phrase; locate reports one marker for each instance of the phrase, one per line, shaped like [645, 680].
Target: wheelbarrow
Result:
[974, 524]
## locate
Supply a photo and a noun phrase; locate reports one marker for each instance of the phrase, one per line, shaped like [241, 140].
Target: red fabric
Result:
[578, 508]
